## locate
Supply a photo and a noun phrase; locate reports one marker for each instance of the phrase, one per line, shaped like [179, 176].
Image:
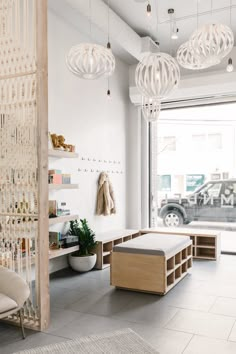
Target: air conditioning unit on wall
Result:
[200, 89]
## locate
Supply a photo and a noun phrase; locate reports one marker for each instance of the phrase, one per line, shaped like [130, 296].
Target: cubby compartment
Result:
[171, 279]
[184, 267]
[127, 238]
[206, 241]
[135, 235]
[189, 263]
[118, 241]
[203, 252]
[178, 273]
[170, 263]
[184, 254]
[106, 260]
[189, 250]
[193, 238]
[178, 258]
[107, 247]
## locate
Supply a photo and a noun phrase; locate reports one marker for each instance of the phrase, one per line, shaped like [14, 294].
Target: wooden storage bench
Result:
[151, 263]
[206, 243]
[107, 240]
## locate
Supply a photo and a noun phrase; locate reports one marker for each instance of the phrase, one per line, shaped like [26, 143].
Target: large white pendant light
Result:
[207, 46]
[188, 58]
[157, 75]
[212, 42]
[91, 61]
[151, 109]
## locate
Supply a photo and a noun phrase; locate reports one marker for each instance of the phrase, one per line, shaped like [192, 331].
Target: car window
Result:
[205, 188]
[214, 190]
[230, 187]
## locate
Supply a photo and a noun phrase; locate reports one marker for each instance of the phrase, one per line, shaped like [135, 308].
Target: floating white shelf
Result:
[62, 252]
[62, 154]
[61, 219]
[62, 186]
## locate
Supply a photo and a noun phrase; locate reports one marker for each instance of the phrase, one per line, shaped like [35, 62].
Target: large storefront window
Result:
[196, 170]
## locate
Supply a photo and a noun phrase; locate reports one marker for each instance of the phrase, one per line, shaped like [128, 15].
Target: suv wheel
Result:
[173, 218]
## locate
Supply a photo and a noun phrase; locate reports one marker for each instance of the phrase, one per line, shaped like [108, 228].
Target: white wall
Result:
[81, 111]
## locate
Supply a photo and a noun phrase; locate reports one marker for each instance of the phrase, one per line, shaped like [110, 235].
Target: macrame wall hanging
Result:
[19, 147]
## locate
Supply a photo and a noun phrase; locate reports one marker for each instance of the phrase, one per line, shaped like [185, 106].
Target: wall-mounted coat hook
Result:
[92, 170]
[89, 159]
[79, 170]
[85, 170]
[94, 160]
[99, 160]
[83, 158]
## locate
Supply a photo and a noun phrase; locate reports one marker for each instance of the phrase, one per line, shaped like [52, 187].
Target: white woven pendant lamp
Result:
[90, 61]
[212, 43]
[157, 75]
[188, 58]
[151, 109]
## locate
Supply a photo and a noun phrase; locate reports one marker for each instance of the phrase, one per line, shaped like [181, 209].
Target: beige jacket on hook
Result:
[105, 198]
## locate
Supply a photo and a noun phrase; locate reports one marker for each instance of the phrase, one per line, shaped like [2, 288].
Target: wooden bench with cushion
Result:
[151, 263]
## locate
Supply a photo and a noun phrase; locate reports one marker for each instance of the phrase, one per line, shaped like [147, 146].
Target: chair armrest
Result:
[12, 285]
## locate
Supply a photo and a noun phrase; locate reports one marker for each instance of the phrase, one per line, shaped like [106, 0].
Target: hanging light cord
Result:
[157, 27]
[197, 14]
[230, 19]
[90, 19]
[108, 24]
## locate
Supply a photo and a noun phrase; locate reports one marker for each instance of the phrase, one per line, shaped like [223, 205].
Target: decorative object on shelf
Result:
[52, 206]
[151, 109]
[84, 259]
[54, 240]
[62, 211]
[91, 61]
[212, 42]
[50, 144]
[157, 75]
[105, 197]
[58, 142]
[57, 177]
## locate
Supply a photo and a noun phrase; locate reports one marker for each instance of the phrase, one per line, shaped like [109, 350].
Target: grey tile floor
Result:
[197, 316]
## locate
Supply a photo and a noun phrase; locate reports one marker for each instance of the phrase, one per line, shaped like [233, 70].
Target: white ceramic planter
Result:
[82, 264]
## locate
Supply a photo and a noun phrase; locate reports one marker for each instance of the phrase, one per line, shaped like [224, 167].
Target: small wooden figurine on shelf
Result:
[59, 143]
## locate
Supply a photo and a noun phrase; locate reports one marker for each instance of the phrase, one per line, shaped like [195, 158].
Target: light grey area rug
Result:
[118, 342]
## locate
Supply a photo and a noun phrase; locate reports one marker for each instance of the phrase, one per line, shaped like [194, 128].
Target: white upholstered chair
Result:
[14, 291]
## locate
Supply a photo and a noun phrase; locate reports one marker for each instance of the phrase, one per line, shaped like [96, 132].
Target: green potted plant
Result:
[84, 259]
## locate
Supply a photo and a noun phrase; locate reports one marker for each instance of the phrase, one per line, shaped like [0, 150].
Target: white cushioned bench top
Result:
[154, 244]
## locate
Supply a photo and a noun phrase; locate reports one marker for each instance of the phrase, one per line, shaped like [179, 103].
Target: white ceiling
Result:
[134, 14]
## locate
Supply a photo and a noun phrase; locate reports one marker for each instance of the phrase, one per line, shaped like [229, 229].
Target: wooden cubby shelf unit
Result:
[107, 240]
[178, 266]
[206, 243]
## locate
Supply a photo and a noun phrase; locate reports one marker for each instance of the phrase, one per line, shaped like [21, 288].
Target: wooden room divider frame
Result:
[24, 151]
